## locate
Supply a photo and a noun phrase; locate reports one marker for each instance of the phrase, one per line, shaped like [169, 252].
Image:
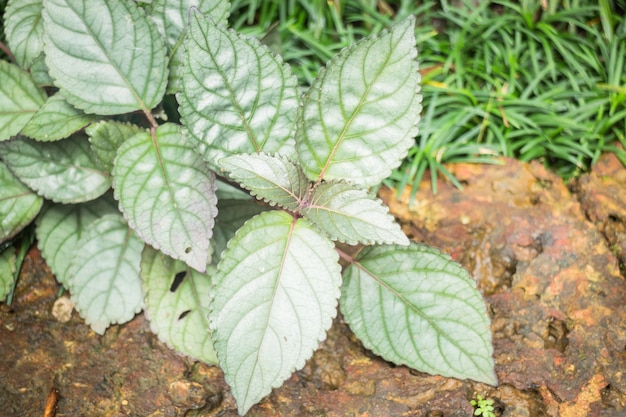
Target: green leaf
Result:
[19, 99]
[104, 274]
[414, 306]
[60, 227]
[226, 191]
[7, 271]
[170, 17]
[237, 96]
[273, 300]
[39, 71]
[167, 193]
[19, 205]
[349, 214]
[106, 137]
[177, 305]
[105, 55]
[24, 30]
[64, 171]
[361, 113]
[232, 214]
[273, 179]
[55, 120]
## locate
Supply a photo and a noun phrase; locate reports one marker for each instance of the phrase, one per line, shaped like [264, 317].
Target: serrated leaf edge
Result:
[261, 198]
[366, 343]
[374, 198]
[325, 328]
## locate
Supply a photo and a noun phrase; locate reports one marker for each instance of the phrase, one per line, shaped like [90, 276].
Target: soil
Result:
[545, 255]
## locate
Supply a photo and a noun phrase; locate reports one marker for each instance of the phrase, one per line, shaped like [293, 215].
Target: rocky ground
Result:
[545, 255]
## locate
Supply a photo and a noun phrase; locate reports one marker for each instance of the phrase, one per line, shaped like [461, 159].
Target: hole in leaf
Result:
[178, 279]
[184, 314]
[188, 249]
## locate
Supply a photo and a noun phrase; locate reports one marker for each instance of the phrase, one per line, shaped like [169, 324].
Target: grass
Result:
[526, 79]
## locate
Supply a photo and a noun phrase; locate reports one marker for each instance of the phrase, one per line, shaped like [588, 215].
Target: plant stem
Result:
[345, 256]
[4, 48]
[151, 120]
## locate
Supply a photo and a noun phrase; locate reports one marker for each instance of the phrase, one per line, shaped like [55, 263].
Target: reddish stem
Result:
[7, 51]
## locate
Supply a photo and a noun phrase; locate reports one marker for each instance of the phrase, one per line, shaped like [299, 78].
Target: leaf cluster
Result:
[484, 406]
[135, 137]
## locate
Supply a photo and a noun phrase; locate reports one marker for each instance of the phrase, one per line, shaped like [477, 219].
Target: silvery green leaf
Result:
[24, 30]
[106, 137]
[104, 274]
[167, 194]
[65, 171]
[60, 227]
[106, 56]
[414, 306]
[360, 114]
[55, 120]
[170, 17]
[274, 179]
[237, 97]
[19, 99]
[177, 304]
[350, 214]
[19, 205]
[273, 300]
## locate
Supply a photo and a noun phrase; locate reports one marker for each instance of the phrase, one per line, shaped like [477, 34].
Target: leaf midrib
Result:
[231, 91]
[410, 305]
[274, 292]
[142, 105]
[354, 114]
